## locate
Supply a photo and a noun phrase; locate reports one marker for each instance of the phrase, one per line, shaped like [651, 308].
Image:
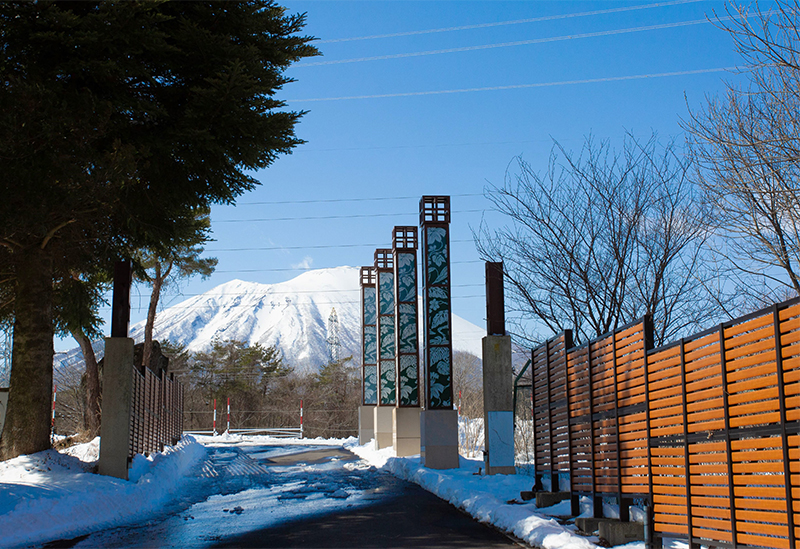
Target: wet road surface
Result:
[256, 495]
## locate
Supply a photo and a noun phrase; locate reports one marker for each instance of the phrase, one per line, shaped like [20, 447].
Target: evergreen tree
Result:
[117, 121]
[169, 266]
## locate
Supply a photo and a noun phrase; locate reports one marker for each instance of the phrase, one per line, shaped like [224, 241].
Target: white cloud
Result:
[304, 264]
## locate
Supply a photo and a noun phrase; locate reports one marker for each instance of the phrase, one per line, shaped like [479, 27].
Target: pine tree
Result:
[117, 121]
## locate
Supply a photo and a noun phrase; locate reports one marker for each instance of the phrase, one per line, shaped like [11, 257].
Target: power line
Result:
[358, 199]
[319, 217]
[503, 23]
[297, 303]
[296, 291]
[523, 86]
[532, 41]
[315, 247]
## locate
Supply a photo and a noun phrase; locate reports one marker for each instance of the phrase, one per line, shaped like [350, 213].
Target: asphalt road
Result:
[263, 496]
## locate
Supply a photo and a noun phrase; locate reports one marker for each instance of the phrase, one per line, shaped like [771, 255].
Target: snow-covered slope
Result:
[291, 315]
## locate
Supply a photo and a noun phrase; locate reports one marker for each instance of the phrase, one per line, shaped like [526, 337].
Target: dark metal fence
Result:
[156, 412]
[706, 430]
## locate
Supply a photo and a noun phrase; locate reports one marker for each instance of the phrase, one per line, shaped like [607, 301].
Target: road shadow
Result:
[411, 518]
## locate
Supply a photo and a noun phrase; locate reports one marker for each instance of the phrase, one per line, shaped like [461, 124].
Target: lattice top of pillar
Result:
[368, 277]
[404, 238]
[384, 259]
[434, 209]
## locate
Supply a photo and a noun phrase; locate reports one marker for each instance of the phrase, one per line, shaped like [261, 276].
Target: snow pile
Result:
[49, 494]
[490, 499]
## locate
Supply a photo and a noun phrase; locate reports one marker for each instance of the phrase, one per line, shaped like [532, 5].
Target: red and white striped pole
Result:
[53, 415]
[301, 418]
[229, 416]
[215, 417]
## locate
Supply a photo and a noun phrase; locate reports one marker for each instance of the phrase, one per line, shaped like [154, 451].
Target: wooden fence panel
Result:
[668, 448]
[559, 405]
[604, 422]
[708, 428]
[632, 419]
[543, 433]
[580, 412]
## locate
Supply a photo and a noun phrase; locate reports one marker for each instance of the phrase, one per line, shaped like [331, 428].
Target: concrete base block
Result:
[384, 426]
[116, 416]
[548, 499]
[406, 439]
[439, 439]
[620, 533]
[589, 525]
[366, 424]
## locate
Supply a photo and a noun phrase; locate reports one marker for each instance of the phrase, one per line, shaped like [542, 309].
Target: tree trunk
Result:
[27, 422]
[147, 349]
[92, 394]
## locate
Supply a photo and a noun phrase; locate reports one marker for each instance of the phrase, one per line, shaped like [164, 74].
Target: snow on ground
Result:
[54, 495]
[50, 494]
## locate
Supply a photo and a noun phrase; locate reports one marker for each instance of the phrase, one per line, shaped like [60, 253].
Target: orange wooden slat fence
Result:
[705, 429]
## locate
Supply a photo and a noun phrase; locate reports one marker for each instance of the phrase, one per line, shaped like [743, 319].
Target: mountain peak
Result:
[291, 315]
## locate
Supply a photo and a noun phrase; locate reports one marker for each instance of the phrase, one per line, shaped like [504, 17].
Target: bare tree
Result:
[468, 382]
[600, 239]
[747, 148]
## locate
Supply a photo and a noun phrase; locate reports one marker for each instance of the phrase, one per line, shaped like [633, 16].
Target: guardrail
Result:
[277, 432]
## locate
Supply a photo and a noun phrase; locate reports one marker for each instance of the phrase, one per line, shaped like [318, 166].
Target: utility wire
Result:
[516, 42]
[504, 23]
[316, 247]
[298, 303]
[319, 217]
[297, 291]
[522, 86]
[359, 199]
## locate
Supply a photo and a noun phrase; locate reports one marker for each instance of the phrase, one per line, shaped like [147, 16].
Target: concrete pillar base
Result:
[384, 426]
[621, 533]
[116, 417]
[439, 439]
[366, 423]
[406, 439]
[548, 499]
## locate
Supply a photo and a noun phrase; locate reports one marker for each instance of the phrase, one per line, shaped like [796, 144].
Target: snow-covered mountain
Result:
[291, 315]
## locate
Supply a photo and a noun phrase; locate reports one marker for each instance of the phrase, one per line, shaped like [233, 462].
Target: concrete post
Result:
[369, 356]
[498, 415]
[439, 421]
[387, 382]
[498, 397]
[406, 439]
[116, 417]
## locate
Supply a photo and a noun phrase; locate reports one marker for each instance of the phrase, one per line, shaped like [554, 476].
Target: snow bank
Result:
[51, 495]
[487, 498]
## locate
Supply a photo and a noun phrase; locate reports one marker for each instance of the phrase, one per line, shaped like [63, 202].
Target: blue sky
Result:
[375, 131]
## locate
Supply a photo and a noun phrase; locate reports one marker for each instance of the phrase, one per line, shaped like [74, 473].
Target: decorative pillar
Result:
[387, 386]
[439, 422]
[406, 440]
[369, 356]
[498, 415]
